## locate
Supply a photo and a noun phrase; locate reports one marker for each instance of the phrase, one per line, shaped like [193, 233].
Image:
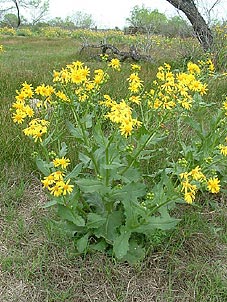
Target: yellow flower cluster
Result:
[9, 31]
[135, 67]
[121, 113]
[176, 89]
[115, 64]
[193, 68]
[191, 180]
[207, 66]
[135, 83]
[36, 129]
[225, 106]
[1, 48]
[44, 90]
[56, 185]
[222, 147]
[77, 73]
[62, 162]
[25, 92]
[22, 110]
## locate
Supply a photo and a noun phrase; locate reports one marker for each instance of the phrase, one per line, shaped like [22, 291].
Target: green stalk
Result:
[158, 206]
[86, 141]
[137, 153]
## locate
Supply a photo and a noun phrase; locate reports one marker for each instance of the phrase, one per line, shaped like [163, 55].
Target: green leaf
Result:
[47, 139]
[100, 246]
[67, 227]
[99, 137]
[95, 221]
[121, 243]
[131, 174]
[157, 222]
[75, 172]
[99, 154]
[50, 203]
[111, 166]
[128, 196]
[109, 230]
[43, 166]
[95, 199]
[87, 120]
[75, 132]
[88, 185]
[131, 191]
[82, 243]
[135, 254]
[68, 214]
[84, 158]
[63, 150]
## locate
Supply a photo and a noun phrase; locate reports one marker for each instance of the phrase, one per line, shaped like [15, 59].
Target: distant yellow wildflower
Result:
[115, 64]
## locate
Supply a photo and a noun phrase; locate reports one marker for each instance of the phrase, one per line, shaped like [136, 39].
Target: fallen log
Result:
[111, 50]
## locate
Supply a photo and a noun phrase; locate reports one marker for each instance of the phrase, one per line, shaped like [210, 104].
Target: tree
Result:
[201, 29]
[9, 20]
[177, 26]
[63, 23]
[81, 20]
[37, 9]
[147, 20]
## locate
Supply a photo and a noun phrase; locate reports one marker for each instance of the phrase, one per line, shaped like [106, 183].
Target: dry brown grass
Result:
[36, 267]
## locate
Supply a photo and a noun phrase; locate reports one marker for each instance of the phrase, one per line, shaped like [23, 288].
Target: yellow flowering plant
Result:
[105, 160]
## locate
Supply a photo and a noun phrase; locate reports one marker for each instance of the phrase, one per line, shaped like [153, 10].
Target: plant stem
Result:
[137, 153]
[86, 141]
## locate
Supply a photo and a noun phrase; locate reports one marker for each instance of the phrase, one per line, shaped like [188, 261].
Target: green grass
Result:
[38, 261]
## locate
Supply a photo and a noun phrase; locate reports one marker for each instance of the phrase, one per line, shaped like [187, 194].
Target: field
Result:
[38, 259]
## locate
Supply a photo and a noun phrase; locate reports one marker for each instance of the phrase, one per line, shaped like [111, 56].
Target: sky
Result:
[111, 13]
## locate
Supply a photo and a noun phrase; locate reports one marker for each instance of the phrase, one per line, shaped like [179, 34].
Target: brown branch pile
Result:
[111, 50]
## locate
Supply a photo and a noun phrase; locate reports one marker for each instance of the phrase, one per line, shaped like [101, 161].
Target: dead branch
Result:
[111, 50]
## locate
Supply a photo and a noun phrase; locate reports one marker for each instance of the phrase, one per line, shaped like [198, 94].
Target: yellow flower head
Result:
[213, 185]
[36, 129]
[197, 174]
[135, 67]
[193, 68]
[135, 99]
[223, 149]
[115, 64]
[62, 162]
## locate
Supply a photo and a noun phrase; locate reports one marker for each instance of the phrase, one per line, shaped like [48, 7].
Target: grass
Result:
[38, 261]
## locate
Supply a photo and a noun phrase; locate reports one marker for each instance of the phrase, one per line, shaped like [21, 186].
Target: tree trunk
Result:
[18, 12]
[202, 31]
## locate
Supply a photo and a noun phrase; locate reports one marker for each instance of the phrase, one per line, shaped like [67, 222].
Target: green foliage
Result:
[123, 182]
[9, 20]
[108, 201]
[35, 250]
[147, 20]
[153, 22]
[81, 20]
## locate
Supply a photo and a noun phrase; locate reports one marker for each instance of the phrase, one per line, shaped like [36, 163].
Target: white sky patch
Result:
[108, 14]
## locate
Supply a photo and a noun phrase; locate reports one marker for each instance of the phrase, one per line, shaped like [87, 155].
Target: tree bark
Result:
[18, 12]
[202, 31]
